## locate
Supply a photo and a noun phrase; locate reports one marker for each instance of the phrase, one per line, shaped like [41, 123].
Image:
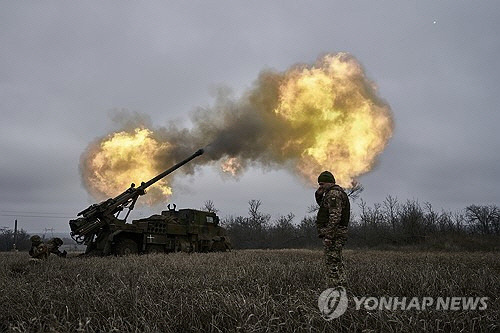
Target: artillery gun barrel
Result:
[175, 167]
[97, 215]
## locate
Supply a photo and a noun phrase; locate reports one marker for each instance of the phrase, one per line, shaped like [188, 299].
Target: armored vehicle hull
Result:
[185, 230]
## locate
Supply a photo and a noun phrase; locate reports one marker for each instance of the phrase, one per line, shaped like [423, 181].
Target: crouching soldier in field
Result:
[53, 247]
[41, 250]
[332, 221]
[38, 248]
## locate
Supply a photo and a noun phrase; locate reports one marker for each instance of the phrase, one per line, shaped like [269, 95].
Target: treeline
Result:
[257, 230]
[24, 243]
[7, 240]
[383, 225]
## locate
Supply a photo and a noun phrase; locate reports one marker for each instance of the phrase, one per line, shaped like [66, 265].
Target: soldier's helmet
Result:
[36, 240]
[56, 241]
[326, 177]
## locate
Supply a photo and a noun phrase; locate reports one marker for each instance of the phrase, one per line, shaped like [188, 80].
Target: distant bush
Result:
[257, 230]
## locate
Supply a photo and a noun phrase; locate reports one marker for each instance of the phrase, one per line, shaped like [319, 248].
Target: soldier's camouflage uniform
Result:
[53, 247]
[41, 250]
[332, 221]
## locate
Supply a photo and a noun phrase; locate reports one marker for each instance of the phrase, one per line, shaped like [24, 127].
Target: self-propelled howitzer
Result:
[100, 228]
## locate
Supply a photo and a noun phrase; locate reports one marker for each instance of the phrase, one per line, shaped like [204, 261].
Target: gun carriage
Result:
[103, 231]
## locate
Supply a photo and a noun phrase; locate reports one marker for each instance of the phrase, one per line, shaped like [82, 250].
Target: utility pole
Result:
[48, 229]
[15, 235]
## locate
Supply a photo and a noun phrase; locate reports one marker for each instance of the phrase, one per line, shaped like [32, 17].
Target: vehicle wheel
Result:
[154, 249]
[125, 247]
[91, 247]
[218, 246]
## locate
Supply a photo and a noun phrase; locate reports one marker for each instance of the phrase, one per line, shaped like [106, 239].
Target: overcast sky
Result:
[65, 64]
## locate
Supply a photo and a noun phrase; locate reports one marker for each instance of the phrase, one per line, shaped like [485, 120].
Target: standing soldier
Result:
[332, 220]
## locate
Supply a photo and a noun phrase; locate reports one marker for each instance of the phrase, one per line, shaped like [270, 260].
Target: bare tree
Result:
[430, 216]
[458, 220]
[284, 221]
[209, 206]
[355, 191]
[257, 219]
[369, 216]
[312, 208]
[391, 208]
[486, 219]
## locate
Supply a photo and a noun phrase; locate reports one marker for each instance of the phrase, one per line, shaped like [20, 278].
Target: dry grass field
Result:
[240, 291]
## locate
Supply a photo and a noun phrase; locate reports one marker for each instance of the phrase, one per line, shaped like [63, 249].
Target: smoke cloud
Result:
[310, 118]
